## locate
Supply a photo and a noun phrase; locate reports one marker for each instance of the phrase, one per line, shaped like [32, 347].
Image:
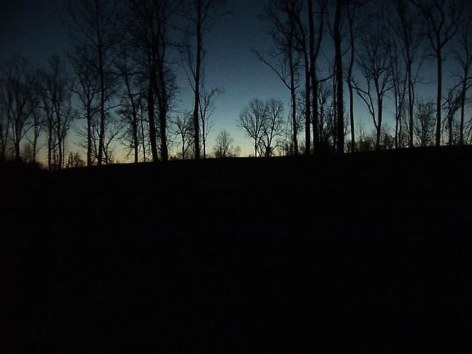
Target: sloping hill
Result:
[356, 253]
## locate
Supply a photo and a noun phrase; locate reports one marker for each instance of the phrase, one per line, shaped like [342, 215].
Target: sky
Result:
[37, 29]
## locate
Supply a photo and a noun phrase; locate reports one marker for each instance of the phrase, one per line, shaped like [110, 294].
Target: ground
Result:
[363, 253]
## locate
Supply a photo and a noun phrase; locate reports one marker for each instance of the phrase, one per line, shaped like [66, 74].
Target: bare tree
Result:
[338, 18]
[374, 62]
[94, 28]
[223, 145]
[207, 107]
[282, 15]
[201, 15]
[132, 96]
[19, 91]
[86, 88]
[37, 117]
[252, 120]
[149, 30]
[272, 127]
[442, 19]
[315, 38]
[463, 56]
[424, 127]
[410, 36]
[452, 105]
[352, 17]
[263, 123]
[399, 84]
[5, 116]
[183, 129]
[58, 109]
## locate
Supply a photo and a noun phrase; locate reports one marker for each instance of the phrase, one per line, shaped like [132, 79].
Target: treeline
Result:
[340, 58]
[117, 82]
[119, 79]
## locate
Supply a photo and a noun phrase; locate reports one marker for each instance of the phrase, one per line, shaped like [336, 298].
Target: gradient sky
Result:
[37, 29]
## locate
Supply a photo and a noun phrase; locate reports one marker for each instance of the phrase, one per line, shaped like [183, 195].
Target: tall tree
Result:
[86, 88]
[282, 15]
[424, 127]
[224, 145]
[352, 17]
[58, 110]
[272, 127]
[19, 92]
[315, 38]
[375, 65]
[442, 19]
[94, 29]
[338, 18]
[410, 36]
[149, 30]
[201, 14]
[207, 107]
[252, 120]
[463, 56]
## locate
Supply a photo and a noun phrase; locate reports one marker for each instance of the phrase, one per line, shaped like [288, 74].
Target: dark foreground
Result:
[357, 254]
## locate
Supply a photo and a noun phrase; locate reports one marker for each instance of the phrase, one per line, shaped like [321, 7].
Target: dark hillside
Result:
[364, 253]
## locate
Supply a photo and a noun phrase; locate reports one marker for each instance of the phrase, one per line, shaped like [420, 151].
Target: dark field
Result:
[365, 253]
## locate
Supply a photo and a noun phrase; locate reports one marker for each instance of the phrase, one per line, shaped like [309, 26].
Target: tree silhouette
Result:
[338, 18]
[201, 15]
[374, 62]
[149, 29]
[410, 35]
[94, 29]
[263, 122]
[223, 145]
[252, 120]
[424, 127]
[442, 19]
[18, 91]
[282, 17]
[58, 110]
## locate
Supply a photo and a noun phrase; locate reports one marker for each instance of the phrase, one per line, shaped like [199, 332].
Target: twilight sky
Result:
[37, 29]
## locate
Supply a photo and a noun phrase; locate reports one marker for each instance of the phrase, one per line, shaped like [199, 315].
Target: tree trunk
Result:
[314, 82]
[198, 64]
[307, 105]
[339, 78]
[101, 74]
[463, 101]
[293, 96]
[439, 95]
[151, 117]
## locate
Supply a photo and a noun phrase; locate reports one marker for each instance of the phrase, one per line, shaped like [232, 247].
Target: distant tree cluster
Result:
[330, 52]
[345, 64]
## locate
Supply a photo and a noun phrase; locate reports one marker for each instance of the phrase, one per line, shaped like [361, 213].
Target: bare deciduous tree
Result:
[223, 145]
[282, 15]
[410, 36]
[252, 120]
[375, 66]
[201, 14]
[183, 129]
[149, 30]
[442, 19]
[263, 122]
[424, 127]
[57, 105]
[18, 91]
